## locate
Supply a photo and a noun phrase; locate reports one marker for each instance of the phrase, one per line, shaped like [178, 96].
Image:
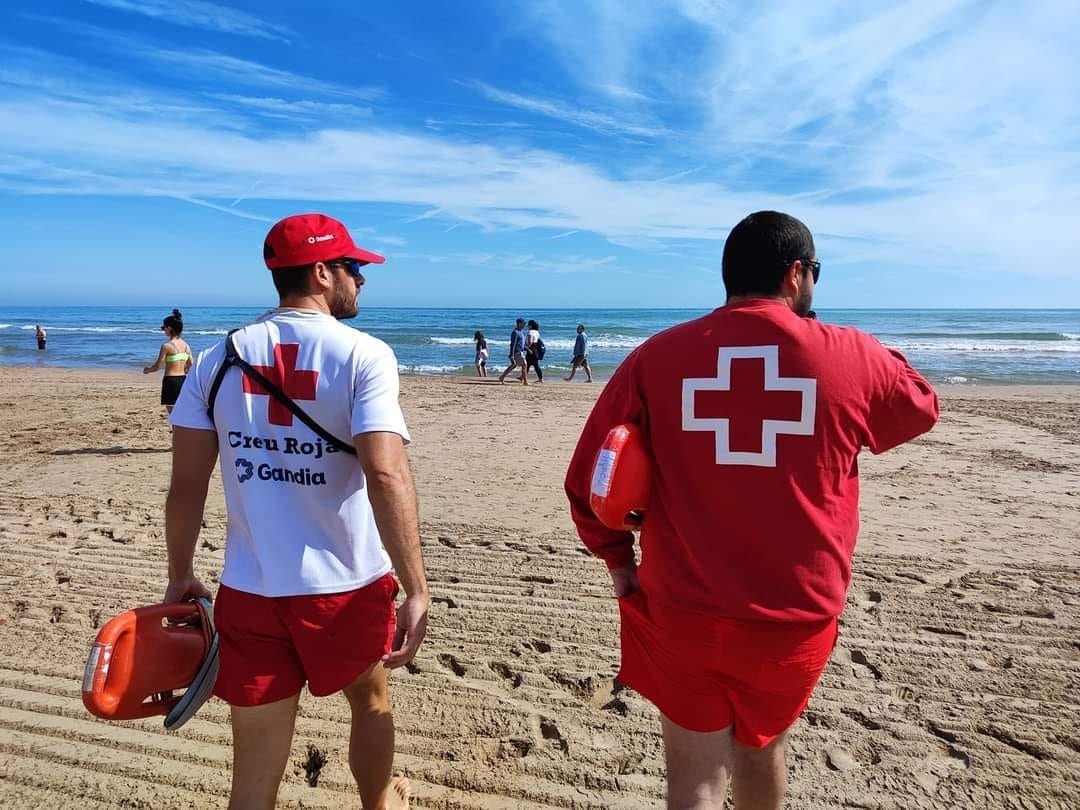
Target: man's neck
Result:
[307, 303]
[742, 299]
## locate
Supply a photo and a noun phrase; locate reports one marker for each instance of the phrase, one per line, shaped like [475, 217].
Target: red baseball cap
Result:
[304, 239]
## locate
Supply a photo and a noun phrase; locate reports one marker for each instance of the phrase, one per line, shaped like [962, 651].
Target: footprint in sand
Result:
[862, 667]
[537, 578]
[451, 663]
[840, 760]
[512, 678]
[550, 732]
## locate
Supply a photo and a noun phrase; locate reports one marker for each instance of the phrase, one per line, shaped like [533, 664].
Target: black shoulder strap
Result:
[233, 358]
[230, 361]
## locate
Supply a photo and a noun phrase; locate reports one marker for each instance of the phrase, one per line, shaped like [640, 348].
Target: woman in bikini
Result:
[175, 356]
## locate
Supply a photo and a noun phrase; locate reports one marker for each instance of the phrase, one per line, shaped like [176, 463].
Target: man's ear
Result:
[793, 278]
[322, 277]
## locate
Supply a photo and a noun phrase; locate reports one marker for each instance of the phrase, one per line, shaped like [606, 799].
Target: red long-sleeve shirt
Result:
[755, 418]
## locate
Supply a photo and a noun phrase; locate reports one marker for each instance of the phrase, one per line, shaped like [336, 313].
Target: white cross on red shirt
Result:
[806, 387]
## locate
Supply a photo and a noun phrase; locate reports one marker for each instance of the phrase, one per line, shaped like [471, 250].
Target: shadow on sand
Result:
[109, 451]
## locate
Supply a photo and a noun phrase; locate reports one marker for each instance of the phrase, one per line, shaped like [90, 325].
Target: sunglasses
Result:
[352, 266]
[814, 265]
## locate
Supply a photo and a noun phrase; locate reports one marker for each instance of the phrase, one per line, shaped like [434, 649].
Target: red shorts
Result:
[707, 674]
[271, 646]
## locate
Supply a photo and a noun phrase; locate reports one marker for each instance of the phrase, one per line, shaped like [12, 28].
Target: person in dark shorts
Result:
[534, 350]
[581, 354]
[41, 335]
[175, 356]
[517, 353]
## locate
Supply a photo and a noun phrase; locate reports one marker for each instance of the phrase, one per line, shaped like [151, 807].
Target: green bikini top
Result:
[176, 358]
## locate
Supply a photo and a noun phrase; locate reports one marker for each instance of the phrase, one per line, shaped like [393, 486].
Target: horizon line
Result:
[544, 309]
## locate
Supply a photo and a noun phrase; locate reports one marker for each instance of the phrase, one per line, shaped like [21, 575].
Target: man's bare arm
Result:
[194, 455]
[393, 501]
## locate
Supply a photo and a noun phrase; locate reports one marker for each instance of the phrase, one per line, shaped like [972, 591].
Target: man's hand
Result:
[625, 580]
[412, 618]
[185, 589]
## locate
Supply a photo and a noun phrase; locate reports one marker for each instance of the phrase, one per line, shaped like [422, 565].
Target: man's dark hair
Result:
[759, 250]
[520, 322]
[289, 281]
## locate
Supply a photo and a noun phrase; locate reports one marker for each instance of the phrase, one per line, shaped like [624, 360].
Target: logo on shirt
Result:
[304, 476]
[762, 405]
[297, 384]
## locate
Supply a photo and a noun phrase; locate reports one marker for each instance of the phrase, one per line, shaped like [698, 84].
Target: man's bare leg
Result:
[371, 744]
[262, 737]
[698, 767]
[760, 776]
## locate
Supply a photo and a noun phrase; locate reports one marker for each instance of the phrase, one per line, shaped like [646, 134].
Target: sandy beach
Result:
[956, 682]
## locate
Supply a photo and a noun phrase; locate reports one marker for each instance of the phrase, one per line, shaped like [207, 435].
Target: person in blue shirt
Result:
[517, 353]
[581, 354]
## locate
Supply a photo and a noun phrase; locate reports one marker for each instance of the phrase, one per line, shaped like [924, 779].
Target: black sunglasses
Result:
[352, 266]
[813, 264]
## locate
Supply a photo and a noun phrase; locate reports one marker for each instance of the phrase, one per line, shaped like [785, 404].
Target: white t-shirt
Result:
[299, 518]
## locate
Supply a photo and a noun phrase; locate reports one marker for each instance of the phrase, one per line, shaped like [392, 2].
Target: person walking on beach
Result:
[481, 353]
[175, 355]
[754, 416]
[534, 350]
[41, 336]
[316, 518]
[517, 353]
[581, 355]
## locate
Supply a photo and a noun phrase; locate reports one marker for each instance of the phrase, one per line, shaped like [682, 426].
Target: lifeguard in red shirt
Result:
[754, 416]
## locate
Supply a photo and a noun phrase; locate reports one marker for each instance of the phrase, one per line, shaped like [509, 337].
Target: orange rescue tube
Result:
[622, 479]
[142, 656]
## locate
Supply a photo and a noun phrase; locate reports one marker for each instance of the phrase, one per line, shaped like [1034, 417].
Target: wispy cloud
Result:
[889, 124]
[589, 119]
[231, 210]
[200, 14]
[508, 187]
[301, 109]
[213, 67]
[389, 240]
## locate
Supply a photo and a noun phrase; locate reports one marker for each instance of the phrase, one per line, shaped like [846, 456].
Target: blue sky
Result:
[543, 153]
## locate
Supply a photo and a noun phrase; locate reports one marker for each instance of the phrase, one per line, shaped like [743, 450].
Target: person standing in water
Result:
[534, 350]
[481, 354]
[175, 356]
[581, 354]
[41, 336]
[517, 353]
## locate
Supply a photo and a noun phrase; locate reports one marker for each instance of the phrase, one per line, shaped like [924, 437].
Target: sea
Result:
[958, 346]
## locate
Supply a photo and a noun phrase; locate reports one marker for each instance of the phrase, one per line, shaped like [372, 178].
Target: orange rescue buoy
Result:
[142, 656]
[622, 479]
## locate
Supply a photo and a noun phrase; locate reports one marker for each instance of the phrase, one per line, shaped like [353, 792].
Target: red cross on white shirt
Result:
[295, 384]
[805, 387]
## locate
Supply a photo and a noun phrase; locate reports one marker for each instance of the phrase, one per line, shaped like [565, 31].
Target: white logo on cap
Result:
[324, 238]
